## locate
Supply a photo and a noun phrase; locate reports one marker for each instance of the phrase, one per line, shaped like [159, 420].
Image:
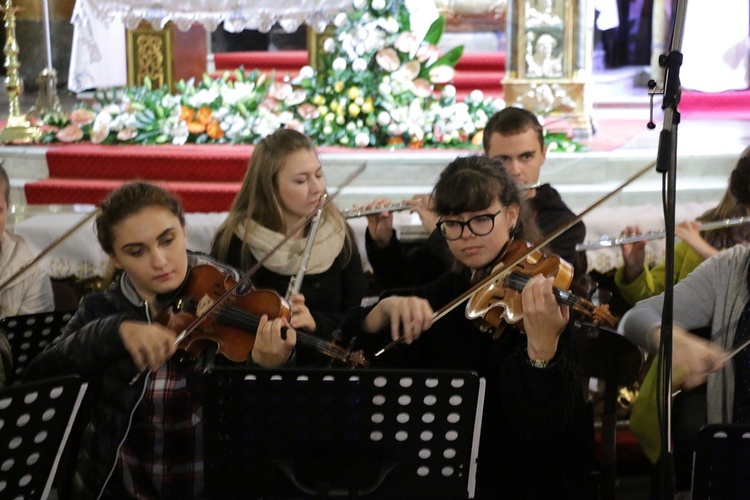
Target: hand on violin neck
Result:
[150, 345]
[270, 348]
[406, 317]
[543, 318]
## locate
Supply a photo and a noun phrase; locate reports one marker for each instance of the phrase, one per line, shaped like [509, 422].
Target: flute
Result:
[295, 282]
[351, 213]
[607, 242]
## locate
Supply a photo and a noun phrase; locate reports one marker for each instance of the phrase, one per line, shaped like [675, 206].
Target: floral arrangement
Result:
[380, 86]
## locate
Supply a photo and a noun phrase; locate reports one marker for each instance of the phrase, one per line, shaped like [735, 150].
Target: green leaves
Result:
[435, 32]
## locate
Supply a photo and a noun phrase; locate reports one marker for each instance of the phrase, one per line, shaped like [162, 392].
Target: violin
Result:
[498, 301]
[230, 326]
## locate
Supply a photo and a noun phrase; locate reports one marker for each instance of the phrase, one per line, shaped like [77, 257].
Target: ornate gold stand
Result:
[549, 60]
[18, 128]
[165, 56]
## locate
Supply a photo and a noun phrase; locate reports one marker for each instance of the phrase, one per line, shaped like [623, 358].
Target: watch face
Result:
[538, 363]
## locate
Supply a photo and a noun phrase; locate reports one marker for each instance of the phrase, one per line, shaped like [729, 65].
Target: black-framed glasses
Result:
[480, 225]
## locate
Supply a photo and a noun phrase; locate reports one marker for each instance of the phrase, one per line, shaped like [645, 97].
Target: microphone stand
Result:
[666, 164]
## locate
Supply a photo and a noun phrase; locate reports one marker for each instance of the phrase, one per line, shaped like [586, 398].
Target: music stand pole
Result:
[666, 164]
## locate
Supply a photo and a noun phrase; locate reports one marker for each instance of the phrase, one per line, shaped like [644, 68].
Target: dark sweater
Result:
[537, 431]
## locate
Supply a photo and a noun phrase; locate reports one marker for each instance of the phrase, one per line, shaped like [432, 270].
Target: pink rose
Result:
[126, 134]
[441, 74]
[387, 59]
[71, 133]
[307, 111]
[422, 87]
[406, 42]
[280, 90]
[82, 116]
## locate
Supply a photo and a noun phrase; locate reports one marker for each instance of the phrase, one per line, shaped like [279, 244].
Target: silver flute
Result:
[295, 282]
[607, 242]
[351, 213]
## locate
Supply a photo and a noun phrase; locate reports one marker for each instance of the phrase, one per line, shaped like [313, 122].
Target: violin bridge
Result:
[204, 304]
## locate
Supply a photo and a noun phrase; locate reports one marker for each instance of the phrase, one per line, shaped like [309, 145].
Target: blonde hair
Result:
[258, 199]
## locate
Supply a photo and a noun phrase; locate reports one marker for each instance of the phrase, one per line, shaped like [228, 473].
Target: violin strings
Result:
[239, 317]
[519, 280]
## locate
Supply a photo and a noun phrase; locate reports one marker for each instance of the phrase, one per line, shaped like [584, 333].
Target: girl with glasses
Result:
[537, 434]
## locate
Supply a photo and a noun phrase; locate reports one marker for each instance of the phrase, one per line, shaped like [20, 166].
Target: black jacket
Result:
[90, 346]
[537, 433]
[395, 267]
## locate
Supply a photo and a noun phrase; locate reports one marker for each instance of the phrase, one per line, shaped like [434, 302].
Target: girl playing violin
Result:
[283, 184]
[537, 436]
[142, 436]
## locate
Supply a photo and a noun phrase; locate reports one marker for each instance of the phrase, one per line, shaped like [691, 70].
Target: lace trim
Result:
[235, 14]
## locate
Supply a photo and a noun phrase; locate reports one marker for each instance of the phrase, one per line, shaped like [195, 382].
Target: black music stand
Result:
[29, 334]
[721, 462]
[35, 419]
[301, 433]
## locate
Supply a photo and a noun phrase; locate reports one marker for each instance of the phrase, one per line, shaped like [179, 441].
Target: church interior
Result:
[584, 67]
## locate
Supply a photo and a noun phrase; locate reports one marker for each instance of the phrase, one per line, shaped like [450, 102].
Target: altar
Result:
[98, 58]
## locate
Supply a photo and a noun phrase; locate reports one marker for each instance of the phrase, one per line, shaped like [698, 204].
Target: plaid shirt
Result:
[162, 456]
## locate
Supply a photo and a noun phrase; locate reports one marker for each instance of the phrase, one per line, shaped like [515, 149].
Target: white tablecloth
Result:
[98, 55]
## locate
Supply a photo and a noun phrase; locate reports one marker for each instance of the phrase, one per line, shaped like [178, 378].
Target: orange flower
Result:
[196, 128]
[395, 141]
[416, 143]
[204, 115]
[187, 113]
[478, 138]
[214, 130]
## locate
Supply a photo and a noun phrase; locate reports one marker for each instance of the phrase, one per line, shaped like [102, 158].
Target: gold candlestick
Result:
[18, 128]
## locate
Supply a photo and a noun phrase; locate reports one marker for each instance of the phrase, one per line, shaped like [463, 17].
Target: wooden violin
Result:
[232, 324]
[498, 301]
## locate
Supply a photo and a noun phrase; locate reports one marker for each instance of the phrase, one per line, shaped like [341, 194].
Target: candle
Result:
[47, 34]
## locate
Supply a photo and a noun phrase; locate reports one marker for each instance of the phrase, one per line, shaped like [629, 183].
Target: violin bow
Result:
[501, 273]
[48, 249]
[299, 225]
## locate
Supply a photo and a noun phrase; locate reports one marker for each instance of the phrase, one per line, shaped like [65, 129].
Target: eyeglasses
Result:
[480, 225]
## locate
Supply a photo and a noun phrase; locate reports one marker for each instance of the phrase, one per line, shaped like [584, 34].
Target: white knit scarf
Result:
[329, 241]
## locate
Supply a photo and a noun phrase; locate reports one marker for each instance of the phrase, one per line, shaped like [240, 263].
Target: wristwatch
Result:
[539, 363]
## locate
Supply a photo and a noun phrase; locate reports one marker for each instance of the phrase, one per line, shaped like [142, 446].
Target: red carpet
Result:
[188, 162]
[731, 105]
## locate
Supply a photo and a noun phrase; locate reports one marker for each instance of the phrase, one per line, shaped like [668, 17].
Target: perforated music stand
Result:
[721, 462]
[299, 433]
[34, 424]
[29, 334]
